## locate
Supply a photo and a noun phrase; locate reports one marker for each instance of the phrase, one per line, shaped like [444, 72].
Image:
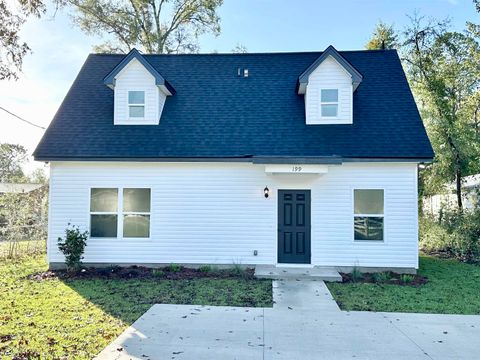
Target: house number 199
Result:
[296, 168]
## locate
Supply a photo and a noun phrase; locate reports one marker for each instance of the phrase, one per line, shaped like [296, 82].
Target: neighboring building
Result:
[434, 204]
[270, 158]
[18, 188]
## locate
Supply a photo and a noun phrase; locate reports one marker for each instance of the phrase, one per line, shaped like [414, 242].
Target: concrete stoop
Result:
[298, 273]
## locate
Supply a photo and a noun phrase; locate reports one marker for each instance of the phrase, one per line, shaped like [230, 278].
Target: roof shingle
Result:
[216, 114]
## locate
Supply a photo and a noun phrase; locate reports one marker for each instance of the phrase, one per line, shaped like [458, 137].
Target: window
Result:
[368, 214]
[103, 212]
[136, 104]
[134, 219]
[329, 102]
[136, 213]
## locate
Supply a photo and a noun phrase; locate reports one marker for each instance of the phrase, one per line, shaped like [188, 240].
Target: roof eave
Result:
[329, 51]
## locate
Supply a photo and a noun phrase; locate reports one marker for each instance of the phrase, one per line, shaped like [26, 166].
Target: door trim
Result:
[308, 262]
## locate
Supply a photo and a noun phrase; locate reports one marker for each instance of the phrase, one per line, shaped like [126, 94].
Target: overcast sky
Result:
[59, 49]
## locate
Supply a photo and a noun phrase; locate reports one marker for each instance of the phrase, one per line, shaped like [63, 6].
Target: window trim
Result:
[329, 103]
[144, 104]
[384, 215]
[119, 212]
[138, 213]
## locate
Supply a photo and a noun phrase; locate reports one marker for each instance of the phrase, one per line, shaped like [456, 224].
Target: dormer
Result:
[328, 85]
[139, 91]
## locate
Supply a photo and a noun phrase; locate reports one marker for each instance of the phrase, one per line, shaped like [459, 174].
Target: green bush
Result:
[158, 273]
[73, 246]
[382, 277]
[357, 275]
[174, 268]
[407, 278]
[205, 268]
[457, 235]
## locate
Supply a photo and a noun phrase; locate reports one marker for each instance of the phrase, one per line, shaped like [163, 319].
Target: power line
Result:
[22, 119]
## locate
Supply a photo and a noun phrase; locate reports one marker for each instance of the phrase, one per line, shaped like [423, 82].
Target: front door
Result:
[294, 226]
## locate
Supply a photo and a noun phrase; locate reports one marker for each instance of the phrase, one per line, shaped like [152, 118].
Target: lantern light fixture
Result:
[266, 192]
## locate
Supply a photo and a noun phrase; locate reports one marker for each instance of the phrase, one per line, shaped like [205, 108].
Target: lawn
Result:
[453, 288]
[60, 319]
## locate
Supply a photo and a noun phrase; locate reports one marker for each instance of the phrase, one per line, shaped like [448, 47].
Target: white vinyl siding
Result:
[217, 212]
[134, 77]
[329, 75]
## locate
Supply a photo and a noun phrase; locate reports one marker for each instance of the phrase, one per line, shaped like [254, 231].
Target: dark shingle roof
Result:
[216, 114]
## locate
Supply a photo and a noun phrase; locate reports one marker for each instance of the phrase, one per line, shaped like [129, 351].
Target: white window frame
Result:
[369, 215]
[120, 213]
[138, 213]
[330, 103]
[90, 212]
[134, 104]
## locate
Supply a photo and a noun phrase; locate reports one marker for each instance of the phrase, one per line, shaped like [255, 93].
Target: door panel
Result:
[294, 226]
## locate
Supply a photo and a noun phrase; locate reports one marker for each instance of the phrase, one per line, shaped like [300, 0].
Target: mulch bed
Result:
[140, 272]
[394, 279]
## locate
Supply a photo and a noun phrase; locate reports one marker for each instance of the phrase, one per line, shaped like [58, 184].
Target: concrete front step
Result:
[301, 273]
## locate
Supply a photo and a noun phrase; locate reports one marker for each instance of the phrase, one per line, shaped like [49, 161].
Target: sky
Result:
[59, 48]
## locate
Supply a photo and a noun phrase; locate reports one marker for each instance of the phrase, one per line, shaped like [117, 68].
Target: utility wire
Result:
[22, 119]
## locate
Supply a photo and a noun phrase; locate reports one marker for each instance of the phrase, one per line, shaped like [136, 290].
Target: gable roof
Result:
[217, 115]
[135, 54]
[330, 51]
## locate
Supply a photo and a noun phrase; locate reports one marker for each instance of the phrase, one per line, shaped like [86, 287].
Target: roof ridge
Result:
[256, 53]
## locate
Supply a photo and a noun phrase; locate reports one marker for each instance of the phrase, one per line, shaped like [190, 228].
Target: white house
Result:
[271, 158]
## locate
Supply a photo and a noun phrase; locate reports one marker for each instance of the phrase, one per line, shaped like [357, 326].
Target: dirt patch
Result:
[139, 272]
[388, 277]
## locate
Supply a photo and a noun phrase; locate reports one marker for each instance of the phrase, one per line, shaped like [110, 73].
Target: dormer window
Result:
[136, 104]
[329, 102]
[328, 85]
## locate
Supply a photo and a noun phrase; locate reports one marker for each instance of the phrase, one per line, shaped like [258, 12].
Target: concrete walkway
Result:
[304, 323]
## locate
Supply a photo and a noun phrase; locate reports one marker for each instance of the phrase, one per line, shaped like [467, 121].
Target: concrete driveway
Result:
[305, 323]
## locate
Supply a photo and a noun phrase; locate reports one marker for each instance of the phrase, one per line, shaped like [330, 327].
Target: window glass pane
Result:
[368, 228]
[136, 111]
[329, 110]
[103, 226]
[329, 95]
[136, 226]
[368, 201]
[103, 200]
[136, 97]
[136, 200]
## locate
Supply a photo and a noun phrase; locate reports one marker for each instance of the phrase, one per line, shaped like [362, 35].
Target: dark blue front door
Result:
[294, 226]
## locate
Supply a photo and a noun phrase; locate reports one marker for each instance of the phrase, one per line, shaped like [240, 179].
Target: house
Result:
[18, 188]
[435, 204]
[266, 158]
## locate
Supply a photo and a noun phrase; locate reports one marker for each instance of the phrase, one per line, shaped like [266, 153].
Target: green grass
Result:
[75, 319]
[453, 288]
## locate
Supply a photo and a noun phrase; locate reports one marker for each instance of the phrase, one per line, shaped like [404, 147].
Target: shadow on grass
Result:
[128, 299]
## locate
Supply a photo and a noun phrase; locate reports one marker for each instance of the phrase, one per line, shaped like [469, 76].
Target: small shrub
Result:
[158, 273]
[237, 270]
[382, 277]
[407, 278]
[357, 275]
[174, 268]
[205, 268]
[73, 246]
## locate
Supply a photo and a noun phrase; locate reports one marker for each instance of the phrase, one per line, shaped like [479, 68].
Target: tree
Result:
[443, 69]
[12, 158]
[384, 37]
[12, 49]
[154, 26]
[240, 49]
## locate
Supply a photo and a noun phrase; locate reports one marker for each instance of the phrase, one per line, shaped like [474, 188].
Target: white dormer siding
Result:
[134, 77]
[329, 75]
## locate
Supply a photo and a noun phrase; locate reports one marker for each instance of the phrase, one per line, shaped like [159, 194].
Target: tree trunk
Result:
[458, 180]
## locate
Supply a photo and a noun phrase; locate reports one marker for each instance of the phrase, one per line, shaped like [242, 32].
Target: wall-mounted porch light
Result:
[266, 191]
